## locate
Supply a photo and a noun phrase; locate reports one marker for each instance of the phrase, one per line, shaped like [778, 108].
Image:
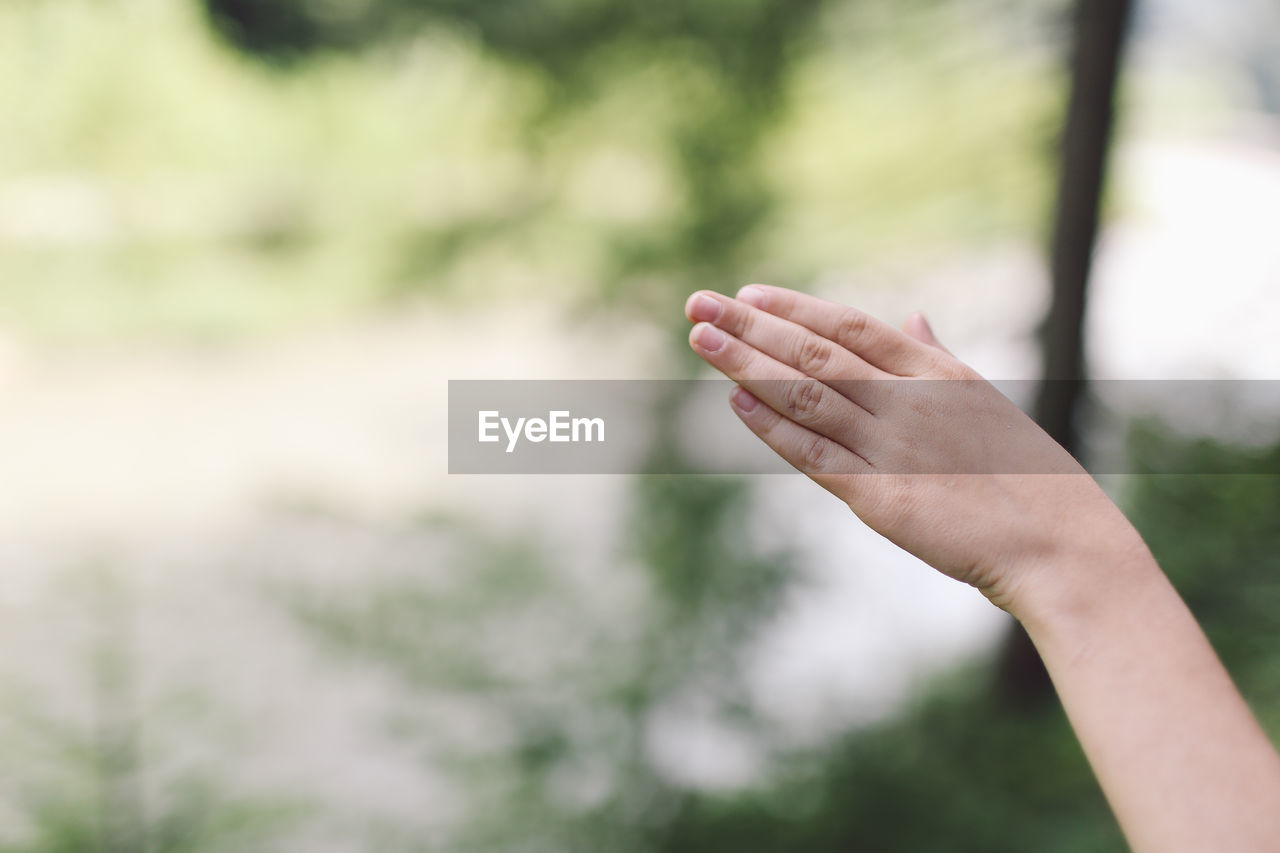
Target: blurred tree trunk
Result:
[1100, 29]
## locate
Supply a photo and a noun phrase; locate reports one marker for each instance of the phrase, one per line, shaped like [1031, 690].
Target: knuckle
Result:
[767, 429]
[924, 407]
[815, 453]
[734, 355]
[737, 358]
[814, 354]
[906, 453]
[852, 327]
[804, 398]
[744, 323]
[892, 504]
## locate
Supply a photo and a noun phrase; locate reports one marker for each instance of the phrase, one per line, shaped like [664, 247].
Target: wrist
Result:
[1072, 588]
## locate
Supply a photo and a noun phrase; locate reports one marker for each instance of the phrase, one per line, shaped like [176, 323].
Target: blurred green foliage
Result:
[563, 684]
[343, 157]
[154, 183]
[955, 768]
[115, 775]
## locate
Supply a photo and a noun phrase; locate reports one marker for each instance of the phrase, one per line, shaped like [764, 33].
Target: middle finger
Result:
[787, 391]
[793, 345]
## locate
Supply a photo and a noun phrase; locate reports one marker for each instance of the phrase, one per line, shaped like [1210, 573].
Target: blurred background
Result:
[245, 243]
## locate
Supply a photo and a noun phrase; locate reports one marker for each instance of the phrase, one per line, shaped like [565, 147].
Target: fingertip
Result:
[688, 305]
[703, 305]
[917, 326]
[743, 400]
[754, 295]
[706, 338]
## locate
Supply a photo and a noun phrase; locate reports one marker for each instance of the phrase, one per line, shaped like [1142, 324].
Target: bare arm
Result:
[955, 473]
[1179, 755]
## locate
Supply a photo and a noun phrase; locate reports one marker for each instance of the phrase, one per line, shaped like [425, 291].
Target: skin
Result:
[934, 458]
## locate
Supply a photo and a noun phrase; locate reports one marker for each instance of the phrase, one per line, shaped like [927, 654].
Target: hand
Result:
[950, 469]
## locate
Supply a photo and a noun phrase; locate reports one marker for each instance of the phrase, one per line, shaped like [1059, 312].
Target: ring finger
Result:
[786, 390]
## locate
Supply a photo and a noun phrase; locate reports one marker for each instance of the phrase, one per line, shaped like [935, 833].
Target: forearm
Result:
[1179, 755]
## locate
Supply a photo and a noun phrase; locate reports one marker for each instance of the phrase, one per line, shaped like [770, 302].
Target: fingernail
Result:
[752, 295]
[707, 337]
[743, 400]
[703, 307]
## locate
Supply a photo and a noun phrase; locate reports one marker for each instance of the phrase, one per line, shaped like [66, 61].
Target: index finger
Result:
[875, 341]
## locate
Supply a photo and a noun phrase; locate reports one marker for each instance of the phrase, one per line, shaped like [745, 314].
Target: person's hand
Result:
[948, 468]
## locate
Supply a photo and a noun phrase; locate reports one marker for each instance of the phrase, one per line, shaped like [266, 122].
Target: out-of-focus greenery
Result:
[116, 775]
[158, 182]
[562, 680]
[153, 182]
[957, 768]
